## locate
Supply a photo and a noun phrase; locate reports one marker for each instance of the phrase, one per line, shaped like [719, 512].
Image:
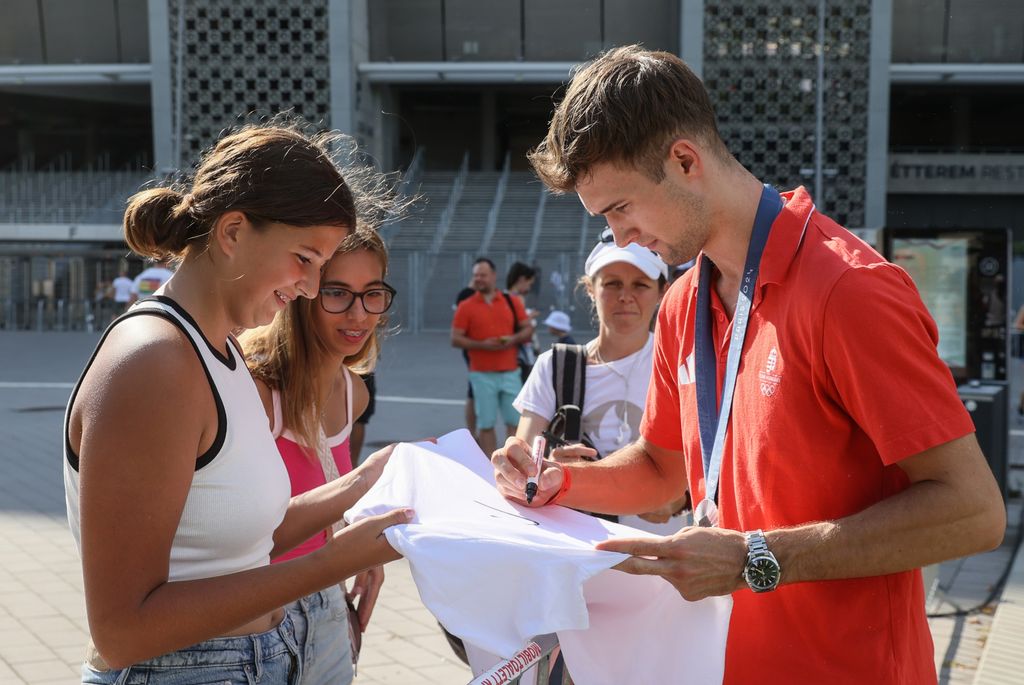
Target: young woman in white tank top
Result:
[176, 494]
[301, 363]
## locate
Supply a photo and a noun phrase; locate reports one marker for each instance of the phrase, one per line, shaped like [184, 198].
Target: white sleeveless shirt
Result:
[240, 489]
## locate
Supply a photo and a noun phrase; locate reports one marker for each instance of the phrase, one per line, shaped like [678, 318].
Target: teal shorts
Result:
[493, 390]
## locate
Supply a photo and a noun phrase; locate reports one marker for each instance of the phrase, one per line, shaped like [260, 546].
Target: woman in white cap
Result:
[625, 284]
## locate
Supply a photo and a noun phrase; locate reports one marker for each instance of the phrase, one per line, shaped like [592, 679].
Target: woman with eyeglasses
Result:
[306, 364]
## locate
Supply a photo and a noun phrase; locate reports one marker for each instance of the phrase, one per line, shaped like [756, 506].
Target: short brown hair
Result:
[272, 173]
[626, 107]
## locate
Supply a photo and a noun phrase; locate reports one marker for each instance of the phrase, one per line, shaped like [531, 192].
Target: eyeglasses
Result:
[608, 237]
[337, 300]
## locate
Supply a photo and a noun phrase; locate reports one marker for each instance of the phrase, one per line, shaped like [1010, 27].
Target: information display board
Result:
[964, 279]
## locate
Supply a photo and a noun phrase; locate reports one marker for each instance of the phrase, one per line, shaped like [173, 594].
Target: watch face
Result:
[762, 574]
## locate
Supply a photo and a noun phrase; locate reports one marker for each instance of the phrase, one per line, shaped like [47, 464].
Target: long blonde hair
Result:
[286, 353]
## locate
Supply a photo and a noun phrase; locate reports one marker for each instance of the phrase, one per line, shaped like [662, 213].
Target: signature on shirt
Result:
[507, 513]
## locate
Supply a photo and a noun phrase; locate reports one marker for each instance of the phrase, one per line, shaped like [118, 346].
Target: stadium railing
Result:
[65, 287]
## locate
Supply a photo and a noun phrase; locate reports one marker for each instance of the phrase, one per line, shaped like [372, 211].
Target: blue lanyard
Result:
[714, 420]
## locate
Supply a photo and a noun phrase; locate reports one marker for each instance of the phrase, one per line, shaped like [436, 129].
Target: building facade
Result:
[899, 113]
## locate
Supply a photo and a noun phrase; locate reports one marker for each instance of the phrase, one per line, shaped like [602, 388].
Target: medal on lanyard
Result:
[713, 419]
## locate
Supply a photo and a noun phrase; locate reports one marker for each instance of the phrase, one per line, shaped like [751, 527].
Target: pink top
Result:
[304, 470]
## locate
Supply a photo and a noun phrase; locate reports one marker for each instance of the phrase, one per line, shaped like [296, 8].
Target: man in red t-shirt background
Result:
[491, 325]
[849, 461]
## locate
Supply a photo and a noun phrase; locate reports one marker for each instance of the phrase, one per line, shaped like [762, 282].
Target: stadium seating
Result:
[416, 231]
[66, 196]
[518, 228]
[515, 222]
[466, 230]
[429, 264]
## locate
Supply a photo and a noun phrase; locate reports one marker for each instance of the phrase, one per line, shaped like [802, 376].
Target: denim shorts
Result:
[321, 624]
[270, 658]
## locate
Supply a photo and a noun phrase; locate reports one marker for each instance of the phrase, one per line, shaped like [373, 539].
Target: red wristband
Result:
[566, 483]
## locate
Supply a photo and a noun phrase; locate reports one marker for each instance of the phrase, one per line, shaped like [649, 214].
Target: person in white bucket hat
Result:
[560, 326]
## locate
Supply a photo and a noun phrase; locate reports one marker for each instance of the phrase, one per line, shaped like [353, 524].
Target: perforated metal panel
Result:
[248, 57]
[760, 67]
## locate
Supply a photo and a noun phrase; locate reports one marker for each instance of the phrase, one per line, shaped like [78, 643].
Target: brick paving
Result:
[43, 628]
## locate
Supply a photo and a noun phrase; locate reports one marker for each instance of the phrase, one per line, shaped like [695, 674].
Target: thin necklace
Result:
[595, 352]
[326, 403]
[625, 432]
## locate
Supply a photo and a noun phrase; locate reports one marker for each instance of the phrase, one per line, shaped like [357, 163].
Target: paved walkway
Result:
[43, 628]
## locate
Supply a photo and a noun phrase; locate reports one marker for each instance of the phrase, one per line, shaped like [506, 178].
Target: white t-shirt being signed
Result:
[497, 574]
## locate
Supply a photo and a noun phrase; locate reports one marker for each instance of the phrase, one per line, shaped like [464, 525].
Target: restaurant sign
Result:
[964, 174]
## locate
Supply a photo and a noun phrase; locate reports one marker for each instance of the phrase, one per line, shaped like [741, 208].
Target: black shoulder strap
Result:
[569, 376]
[512, 306]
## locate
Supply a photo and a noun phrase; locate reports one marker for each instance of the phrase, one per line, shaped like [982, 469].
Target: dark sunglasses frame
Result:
[608, 237]
[358, 296]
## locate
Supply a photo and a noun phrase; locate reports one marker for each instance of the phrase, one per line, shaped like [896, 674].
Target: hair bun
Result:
[157, 222]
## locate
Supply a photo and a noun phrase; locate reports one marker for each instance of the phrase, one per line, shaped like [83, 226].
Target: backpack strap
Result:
[512, 306]
[569, 376]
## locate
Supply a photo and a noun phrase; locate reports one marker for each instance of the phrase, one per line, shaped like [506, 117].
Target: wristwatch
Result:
[762, 570]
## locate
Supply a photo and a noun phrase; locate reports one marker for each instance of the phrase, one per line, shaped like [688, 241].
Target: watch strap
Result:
[758, 553]
[756, 543]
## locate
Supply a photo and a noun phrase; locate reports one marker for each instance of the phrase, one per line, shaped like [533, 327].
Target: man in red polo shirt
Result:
[490, 326]
[793, 367]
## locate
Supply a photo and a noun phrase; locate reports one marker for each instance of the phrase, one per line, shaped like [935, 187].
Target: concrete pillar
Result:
[160, 87]
[691, 34]
[389, 126]
[878, 114]
[342, 67]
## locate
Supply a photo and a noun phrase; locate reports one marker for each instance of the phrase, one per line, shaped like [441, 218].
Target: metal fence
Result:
[63, 196]
[50, 288]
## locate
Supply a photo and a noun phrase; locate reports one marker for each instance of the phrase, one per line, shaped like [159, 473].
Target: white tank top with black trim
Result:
[240, 489]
